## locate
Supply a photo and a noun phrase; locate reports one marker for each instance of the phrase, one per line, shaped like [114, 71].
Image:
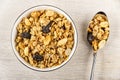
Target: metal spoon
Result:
[90, 39]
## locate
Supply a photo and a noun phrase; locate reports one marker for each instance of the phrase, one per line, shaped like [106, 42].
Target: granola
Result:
[44, 38]
[98, 31]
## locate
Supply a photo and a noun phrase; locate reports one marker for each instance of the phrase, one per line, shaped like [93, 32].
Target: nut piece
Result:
[35, 14]
[104, 24]
[30, 59]
[49, 13]
[101, 44]
[27, 22]
[47, 40]
[62, 42]
[68, 51]
[26, 51]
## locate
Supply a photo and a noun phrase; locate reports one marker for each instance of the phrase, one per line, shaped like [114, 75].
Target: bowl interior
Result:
[25, 13]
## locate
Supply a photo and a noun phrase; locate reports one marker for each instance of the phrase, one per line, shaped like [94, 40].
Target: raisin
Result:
[63, 27]
[26, 35]
[90, 37]
[37, 57]
[45, 29]
[103, 29]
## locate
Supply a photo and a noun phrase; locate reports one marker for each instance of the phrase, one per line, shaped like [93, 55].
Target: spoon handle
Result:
[93, 65]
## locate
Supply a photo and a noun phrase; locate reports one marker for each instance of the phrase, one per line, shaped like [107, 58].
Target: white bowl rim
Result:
[56, 9]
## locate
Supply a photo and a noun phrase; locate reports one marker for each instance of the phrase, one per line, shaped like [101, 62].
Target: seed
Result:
[37, 57]
[26, 35]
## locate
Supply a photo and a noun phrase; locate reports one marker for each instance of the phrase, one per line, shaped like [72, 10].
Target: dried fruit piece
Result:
[63, 27]
[37, 57]
[26, 35]
[101, 44]
[62, 42]
[90, 37]
[45, 29]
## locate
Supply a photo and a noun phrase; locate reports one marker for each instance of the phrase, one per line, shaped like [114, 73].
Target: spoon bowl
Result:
[99, 32]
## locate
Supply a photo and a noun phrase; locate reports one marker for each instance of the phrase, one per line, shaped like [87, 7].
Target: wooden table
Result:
[78, 68]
